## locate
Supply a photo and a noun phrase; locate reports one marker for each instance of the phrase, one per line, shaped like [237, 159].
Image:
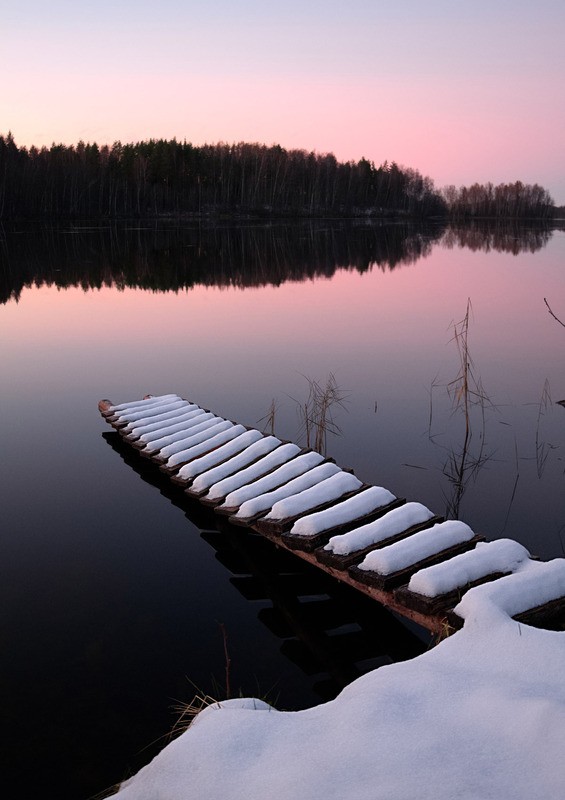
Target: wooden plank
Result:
[195, 418]
[186, 482]
[435, 623]
[325, 613]
[218, 426]
[200, 494]
[154, 453]
[441, 602]
[295, 585]
[549, 615]
[231, 510]
[247, 522]
[159, 408]
[279, 526]
[310, 543]
[175, 469]
[346, 561]
[395, 579]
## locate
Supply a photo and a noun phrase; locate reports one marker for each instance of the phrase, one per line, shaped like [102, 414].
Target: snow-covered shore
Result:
[479, 717]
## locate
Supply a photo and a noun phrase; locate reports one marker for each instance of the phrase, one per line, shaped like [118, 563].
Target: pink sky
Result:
[462, 92]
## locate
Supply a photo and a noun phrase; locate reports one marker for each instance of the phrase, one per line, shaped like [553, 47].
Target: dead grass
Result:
[469, 400]
[269, 419]
[316, 413]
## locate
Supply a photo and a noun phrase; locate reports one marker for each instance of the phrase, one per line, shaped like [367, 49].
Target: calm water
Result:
[114, 590]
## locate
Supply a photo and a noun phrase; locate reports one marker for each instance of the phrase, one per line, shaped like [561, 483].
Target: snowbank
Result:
[479, 717]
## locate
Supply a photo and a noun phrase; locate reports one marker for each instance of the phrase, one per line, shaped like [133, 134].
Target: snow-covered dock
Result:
[400, 553]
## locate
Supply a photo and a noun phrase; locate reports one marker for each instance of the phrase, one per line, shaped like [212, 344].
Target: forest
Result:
[160, 178]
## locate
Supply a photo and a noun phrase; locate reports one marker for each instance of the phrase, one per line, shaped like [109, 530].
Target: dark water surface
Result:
[113, 589]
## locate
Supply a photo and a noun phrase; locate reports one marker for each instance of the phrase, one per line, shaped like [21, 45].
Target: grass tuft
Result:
[316, 414]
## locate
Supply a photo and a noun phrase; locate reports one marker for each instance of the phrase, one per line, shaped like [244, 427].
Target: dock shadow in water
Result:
[331, 632]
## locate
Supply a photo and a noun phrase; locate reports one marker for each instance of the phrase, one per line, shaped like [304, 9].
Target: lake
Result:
[119, 598]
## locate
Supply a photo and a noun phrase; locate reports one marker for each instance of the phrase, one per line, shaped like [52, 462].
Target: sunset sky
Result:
[461, 91]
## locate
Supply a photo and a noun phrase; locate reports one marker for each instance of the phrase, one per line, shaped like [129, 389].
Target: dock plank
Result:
[313, 529]
[343, 562]
[283, 514]
[390, 581]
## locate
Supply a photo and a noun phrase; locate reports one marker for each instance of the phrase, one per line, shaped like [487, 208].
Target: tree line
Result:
[170, 178]
[159, 177]
[507, 200]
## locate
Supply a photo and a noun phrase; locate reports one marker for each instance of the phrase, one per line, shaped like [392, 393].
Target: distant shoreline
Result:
[290, 217]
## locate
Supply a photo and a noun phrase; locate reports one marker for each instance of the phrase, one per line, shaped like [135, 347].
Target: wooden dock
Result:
[399, 553]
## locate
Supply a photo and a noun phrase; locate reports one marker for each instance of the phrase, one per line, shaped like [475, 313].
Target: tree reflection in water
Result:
[170, 256]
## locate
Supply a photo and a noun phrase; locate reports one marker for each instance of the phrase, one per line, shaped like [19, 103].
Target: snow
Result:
[262, 502]
[137, 427]
[347, 511]
[503, 555]
[210, 443]
[390, 524]
[330, 489]
[151, 412]
[149, 433]
[160, 439]
[255, 481]
[415, 548]
[140, 404]
[219, 454]
[265, 445]
[481, 716]
[534, 584]
[198, 434]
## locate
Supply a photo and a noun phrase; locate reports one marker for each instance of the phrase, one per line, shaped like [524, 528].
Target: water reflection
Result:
[170, 257]
[127, 593]
[167, 257]
[503, 236]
